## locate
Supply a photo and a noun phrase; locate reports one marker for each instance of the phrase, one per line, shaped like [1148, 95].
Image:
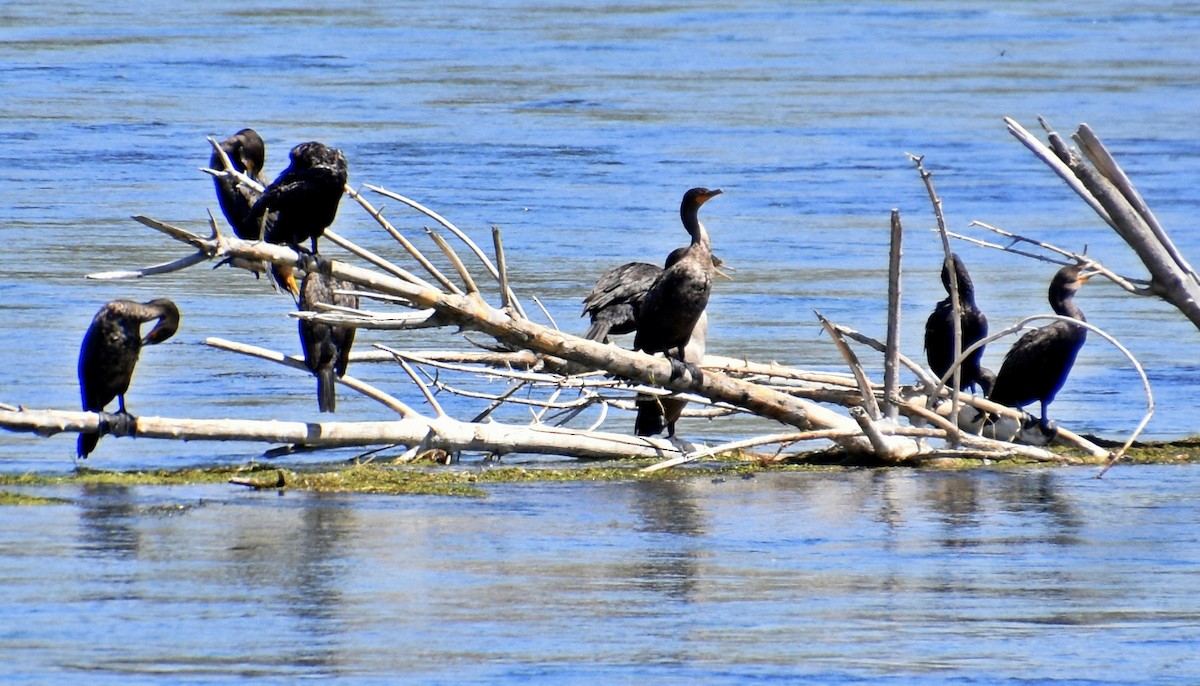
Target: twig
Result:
[1057, 165]
[483, 258]
[454, 260]
[384, 264]
[498, 245]
[437, 407]
[404, 242]
[549, 317]
[864, 384]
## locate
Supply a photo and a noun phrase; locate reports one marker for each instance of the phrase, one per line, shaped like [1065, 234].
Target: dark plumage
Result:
[303, 201]
[939, 330]
[674, 302]
[1037, 365]
[614, 300]
[110, 352]
[655, 414]
[326, 348]
[247, 153]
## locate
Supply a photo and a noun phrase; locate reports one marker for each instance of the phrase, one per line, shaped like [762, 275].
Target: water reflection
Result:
[108, 517]
[298, 568]
[668, 565]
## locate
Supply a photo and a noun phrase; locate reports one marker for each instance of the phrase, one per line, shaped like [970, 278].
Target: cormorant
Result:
[326, 347]
[939, 330]
[248, 153]
[302, 202]
[617, 296]
[304, 198]
[110, 352]
[1037, 365]
[674, 302]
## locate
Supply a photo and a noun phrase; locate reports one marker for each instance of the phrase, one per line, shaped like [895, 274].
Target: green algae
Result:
[470, 481]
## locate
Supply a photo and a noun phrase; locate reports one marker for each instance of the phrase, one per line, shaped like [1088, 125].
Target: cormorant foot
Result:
[118, 424]
[677, 368]
[1049, 429]
[685, 446]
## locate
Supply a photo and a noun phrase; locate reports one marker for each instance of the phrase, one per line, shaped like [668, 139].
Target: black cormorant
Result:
[247, 153]
[303, 200]
[301, 203]
[674, 302]
[326, 347]
[616, 298]
[939, 330]
[1037, 365]
[110, 352]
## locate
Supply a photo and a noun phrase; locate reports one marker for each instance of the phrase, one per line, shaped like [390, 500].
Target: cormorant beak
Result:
[711, 194]
[1084, 276]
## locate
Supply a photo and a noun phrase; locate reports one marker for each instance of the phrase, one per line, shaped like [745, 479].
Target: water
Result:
[576, 128]
[865, 577]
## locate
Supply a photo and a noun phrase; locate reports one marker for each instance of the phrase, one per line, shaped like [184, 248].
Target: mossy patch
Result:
[11, 498]
[463, 481]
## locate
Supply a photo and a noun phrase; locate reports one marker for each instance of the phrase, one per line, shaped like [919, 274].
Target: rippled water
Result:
[576, 128]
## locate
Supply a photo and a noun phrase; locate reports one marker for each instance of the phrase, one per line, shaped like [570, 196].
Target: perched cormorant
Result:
[304, 198]
[1037, 365]
[616, 298]
[326, 347]
[248, 153]
[939, 330]
[110, 352]
[674, 302]
[301, 203]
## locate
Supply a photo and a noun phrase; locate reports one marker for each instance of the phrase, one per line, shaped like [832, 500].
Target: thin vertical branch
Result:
[955, 305]
[891, 359]
[498, 245]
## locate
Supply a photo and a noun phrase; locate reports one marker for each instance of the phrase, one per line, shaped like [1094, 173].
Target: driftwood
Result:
[1093, 173]
[529, 356]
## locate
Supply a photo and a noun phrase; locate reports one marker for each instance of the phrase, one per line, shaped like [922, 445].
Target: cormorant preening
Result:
[304, 198]
[326, 347]
[248, 153]
[674, 302]
[302, 202]
[1037, 365]
[110, 352]
[939, 330]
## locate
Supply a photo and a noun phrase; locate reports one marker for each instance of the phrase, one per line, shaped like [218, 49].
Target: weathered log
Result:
[441, 433]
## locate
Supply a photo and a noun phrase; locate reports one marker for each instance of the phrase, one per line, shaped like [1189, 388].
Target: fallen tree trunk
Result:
[443, 433]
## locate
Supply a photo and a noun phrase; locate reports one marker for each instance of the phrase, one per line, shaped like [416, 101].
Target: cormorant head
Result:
[960, 270]
[698, 196]
[251, 152]
[315, 154]
[168, 321]
[1067, 281]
